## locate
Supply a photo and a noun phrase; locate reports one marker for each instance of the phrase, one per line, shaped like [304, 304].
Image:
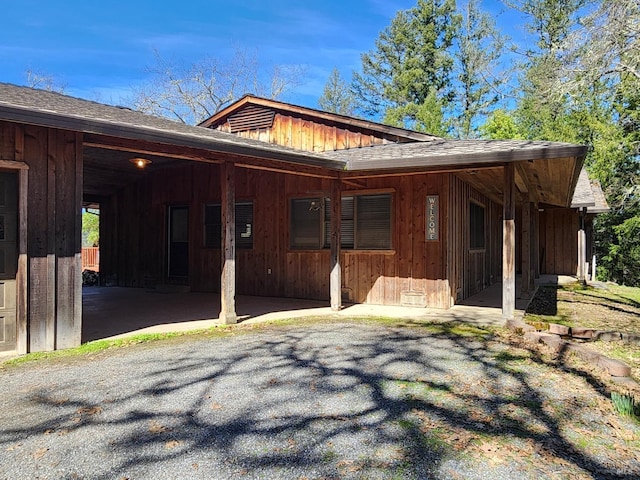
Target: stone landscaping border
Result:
[619, 371]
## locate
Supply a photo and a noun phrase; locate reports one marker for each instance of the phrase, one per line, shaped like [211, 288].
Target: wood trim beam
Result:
[354, 175]
[140, 147]
[508, 244]
[228, 214]
[290, 169]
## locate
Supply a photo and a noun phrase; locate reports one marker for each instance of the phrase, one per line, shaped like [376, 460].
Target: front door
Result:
[8, 259]
[178, 242]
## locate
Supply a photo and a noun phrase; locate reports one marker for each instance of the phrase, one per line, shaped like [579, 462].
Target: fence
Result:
[91, 258]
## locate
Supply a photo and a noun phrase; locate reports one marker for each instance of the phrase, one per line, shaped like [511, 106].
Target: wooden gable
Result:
[304, 128]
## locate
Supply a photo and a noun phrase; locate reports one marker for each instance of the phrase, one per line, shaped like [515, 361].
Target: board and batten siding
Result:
[558, 241]
[133, 237]
[472, 270]
[54, 229]
[305, 134]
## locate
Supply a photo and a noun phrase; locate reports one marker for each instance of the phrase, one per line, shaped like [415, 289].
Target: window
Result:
[306, 223]
[476, 226]
[213, 225]
[365, 222]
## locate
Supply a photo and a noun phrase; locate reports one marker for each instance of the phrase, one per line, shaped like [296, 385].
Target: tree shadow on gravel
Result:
[337, 400]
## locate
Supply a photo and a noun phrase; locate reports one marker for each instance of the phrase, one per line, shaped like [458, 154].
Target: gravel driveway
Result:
[315, 401]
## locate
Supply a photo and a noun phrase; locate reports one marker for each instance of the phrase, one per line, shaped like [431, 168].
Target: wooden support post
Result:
[228, 223]
[533, 258]
[508, 244]
[536, 239]
[525, 287]
[582, 250]
[335, 279]
[22, 339]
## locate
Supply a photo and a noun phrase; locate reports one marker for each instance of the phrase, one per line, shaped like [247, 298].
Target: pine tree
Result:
[336, 96]
[410, 64]
[478, 84]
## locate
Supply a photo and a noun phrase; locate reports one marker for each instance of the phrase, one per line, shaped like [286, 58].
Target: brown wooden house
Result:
[264, 198]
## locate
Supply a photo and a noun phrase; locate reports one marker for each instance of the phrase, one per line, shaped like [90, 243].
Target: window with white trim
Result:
[213, 225]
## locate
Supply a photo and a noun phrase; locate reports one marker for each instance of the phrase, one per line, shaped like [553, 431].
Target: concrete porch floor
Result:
[115, 312]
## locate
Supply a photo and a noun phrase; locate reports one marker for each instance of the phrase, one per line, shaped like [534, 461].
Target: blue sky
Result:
[99, 50]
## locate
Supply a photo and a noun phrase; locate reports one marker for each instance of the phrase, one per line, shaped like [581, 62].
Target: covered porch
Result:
[118, 312]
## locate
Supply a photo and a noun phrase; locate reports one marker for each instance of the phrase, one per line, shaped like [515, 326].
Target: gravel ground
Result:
[319, 401]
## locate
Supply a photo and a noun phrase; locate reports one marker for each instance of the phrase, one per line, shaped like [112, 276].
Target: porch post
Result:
[526, 288]
[335, 279]
[228, 223]
[533, 251]
[536, 239]
[508, 244]
[582, 249]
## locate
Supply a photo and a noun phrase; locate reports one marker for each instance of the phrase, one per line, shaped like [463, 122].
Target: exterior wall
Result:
[559, 241]
[472, 270]
[314, 136]
[133, 232]
[54, 295]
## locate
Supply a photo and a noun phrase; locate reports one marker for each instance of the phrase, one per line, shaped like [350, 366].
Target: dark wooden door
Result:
[8, 259]
[178, 242]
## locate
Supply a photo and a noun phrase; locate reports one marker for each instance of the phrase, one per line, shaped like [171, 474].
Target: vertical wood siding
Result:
[470, 270]
[558, 241]
[54, 206]
[305, 134]
[133, 237]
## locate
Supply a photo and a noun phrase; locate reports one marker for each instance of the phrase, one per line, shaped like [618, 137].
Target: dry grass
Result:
[610, 308]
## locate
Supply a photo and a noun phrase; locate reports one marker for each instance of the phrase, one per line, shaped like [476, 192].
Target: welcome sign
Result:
[432, 217]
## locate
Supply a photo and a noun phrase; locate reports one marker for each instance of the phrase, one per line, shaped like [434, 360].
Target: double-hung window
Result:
[213, 225]
[365, 222]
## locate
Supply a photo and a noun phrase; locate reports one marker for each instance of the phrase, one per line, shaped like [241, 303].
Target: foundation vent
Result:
[413, 298]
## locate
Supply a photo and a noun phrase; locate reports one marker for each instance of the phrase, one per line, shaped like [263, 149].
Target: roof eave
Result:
[115, 129]
[474, 159]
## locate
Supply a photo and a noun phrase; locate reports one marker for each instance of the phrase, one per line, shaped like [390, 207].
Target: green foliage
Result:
[411, 60]
[336, 96]
[90, 229]
[623, 257]
[500, 125]
[425, 117]
[478, 82]
[624, 404]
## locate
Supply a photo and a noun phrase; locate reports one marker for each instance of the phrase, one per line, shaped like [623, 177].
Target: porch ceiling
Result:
[106, 171]
[547, 181]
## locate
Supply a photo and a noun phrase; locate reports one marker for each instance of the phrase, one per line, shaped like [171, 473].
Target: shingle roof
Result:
[588, 193]
[452, 152]
[601, 205]
[583, 195]
[39, 107]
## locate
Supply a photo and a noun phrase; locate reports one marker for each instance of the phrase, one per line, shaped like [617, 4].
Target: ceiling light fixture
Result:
[140, 162]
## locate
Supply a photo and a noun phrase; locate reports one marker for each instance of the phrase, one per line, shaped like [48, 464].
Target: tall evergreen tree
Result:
[478, 84]
[337, 96]
[410, 64]
[542, 113]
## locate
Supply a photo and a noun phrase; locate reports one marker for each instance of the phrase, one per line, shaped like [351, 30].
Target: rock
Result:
[559, 329]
